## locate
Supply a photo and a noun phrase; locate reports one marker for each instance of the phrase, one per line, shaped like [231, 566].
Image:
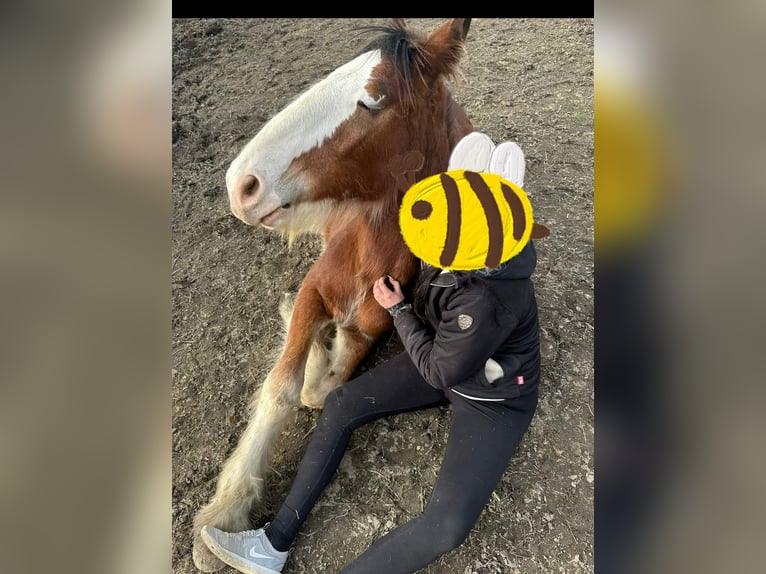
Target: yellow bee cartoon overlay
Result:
[464, 220]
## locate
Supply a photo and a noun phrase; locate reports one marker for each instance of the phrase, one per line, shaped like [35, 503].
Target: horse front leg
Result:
[240, 484]
[351, 344]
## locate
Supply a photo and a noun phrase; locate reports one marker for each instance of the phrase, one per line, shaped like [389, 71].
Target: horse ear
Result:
[445, 46]
[463, 24]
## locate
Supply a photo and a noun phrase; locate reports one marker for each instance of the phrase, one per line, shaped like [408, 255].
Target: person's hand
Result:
[385, 296]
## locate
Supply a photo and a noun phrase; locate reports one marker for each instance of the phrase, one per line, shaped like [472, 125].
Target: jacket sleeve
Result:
[456, 350]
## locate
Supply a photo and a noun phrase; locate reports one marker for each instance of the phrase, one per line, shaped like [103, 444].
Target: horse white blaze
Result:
[304, 124]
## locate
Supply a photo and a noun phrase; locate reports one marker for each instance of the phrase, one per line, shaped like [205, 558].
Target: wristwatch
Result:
[394, 310]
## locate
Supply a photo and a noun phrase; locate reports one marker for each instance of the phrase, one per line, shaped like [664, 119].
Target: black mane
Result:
[400, 46]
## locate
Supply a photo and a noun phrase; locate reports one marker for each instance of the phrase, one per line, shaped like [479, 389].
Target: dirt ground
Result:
[530, 81]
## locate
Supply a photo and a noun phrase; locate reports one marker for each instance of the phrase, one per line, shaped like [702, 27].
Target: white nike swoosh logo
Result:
[255, 554]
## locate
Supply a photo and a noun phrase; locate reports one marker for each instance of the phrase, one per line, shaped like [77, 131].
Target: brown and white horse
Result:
[336, 162]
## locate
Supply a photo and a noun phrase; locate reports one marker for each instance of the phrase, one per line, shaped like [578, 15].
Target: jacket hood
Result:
[520, 266]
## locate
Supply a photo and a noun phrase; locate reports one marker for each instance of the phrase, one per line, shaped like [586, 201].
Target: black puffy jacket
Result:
[481, 337]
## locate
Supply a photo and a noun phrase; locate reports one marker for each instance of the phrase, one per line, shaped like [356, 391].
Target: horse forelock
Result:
[411, 58]
[402, 49]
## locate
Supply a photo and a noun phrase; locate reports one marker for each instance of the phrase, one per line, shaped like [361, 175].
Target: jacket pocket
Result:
[484, 386]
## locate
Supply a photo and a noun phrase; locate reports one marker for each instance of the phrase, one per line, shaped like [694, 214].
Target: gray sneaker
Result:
[249, 551]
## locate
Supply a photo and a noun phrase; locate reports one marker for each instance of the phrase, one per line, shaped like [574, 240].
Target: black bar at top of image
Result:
[581, 9]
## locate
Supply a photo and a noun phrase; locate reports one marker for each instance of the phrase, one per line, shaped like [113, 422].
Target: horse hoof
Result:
[312, 399]
[204, 560]
[312, 405]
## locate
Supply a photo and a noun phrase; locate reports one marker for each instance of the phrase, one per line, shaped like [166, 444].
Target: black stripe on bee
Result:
[454, 216]
[517, 211]
[492, 213]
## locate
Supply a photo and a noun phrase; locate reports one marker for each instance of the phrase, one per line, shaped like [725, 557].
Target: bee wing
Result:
[508, 161]
[472, 153]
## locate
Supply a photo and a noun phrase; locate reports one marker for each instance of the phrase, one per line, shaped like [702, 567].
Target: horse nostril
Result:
[248, 186]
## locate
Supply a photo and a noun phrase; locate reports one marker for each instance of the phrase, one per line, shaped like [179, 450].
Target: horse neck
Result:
[376, 217]
[369, 242]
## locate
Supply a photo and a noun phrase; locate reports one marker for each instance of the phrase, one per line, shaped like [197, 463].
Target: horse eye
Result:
[371, 108]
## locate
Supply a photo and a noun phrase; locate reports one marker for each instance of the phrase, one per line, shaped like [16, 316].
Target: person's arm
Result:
[468, 335]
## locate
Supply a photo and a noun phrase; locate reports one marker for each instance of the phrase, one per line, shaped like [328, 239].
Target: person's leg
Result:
[391, 388]
[482, 439]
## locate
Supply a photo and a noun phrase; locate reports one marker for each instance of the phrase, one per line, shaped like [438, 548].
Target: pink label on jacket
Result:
[520, 380]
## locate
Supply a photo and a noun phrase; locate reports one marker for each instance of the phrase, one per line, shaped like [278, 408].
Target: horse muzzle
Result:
[254, 203]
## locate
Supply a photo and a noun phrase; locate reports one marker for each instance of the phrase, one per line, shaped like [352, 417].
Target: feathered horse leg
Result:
[241, 482]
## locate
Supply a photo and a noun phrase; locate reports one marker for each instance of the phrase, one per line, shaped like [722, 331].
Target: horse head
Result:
[344, 137]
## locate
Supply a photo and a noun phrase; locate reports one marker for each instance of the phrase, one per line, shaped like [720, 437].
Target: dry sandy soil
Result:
[530, 81]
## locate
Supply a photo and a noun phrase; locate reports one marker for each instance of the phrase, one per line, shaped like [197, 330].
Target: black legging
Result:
[483, 436]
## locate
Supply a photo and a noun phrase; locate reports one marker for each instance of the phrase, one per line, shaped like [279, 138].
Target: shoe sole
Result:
[233, 560]
[508, 161]
[472, 153]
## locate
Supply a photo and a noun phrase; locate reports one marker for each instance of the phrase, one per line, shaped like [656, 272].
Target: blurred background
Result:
[85, 259]
[85, 411]
[679, 267]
